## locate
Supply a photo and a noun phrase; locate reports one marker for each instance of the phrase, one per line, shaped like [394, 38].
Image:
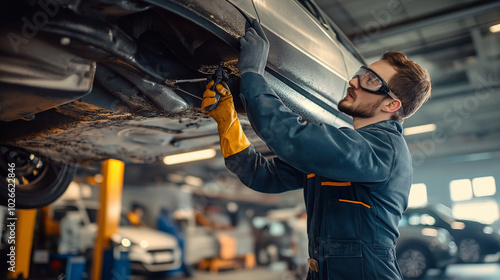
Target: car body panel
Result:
[325, 73]
[58, 77]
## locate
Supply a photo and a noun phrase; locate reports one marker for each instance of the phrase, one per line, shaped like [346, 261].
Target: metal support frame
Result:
[109, 211]
[25, 227]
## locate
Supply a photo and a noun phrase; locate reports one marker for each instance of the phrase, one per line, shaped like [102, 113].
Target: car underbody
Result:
[104, 73]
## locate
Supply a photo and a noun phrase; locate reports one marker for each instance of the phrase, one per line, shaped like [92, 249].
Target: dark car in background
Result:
[474, 240]
[420, 248]
[84, 81]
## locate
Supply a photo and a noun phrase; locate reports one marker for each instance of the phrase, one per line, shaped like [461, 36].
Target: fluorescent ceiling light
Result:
[193, 181]
[419, 129]
[187, 157]
[495, 28]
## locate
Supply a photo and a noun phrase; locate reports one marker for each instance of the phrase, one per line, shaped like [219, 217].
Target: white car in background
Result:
[150, 250]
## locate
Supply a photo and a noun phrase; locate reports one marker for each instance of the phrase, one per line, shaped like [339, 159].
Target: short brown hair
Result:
[411, 84]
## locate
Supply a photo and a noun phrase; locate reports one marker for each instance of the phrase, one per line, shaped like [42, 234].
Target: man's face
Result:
[360, 103]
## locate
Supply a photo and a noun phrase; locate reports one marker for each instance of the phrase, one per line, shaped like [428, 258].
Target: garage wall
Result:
[153, 198]
[438, 174]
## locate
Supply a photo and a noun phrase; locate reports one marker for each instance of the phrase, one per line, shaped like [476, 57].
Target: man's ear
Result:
[392, 106]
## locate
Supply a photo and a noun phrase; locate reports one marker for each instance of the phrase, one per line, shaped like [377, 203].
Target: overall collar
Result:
[388, 124]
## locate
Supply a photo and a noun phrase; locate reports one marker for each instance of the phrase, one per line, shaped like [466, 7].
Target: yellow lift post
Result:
[109, 211]
[25, 227]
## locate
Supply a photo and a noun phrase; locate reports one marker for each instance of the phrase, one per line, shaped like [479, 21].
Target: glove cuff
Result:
[232, 138]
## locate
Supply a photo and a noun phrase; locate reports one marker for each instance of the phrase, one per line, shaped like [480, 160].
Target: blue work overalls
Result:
[356, 183]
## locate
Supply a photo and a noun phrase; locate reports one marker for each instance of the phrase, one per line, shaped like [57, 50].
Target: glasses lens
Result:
[369, 81]
[359, 72]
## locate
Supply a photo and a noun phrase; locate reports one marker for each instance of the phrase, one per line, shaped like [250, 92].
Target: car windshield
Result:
[92, 213]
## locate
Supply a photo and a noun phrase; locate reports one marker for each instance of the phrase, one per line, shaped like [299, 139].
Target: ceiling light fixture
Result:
[188, 157]
[419, 129]
[495, 28]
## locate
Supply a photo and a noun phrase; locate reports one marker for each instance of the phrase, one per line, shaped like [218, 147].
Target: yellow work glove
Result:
[232, 138]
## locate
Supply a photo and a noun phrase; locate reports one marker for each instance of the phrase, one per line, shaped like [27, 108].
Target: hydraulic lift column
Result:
[25, 227]
[109, 211]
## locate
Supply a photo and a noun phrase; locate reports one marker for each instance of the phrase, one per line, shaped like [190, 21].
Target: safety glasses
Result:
[372, 82]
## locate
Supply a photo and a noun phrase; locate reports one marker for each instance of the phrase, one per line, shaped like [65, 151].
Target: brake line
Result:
[256, 12]
[245, 15]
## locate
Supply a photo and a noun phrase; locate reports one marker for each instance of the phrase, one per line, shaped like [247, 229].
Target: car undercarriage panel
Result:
[39, 76]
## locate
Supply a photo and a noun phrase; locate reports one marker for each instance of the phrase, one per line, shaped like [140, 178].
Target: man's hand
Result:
[225, 107]
[232, 138]
[254, 48]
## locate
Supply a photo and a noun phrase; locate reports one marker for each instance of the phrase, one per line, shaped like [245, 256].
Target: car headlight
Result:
[453, 248]
[488, 230]
[144, 244]
[126, 242]
[119, 240]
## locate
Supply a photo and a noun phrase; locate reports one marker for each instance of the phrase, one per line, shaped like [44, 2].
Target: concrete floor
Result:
[487, 271]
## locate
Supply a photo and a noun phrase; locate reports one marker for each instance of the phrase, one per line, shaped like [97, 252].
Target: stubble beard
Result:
[364, 112]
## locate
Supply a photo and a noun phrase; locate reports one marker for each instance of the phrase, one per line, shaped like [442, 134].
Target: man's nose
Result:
[354, 83]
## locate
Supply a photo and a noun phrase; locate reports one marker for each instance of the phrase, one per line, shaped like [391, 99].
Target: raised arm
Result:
[255, 171]
[344, 154]
[263, 175]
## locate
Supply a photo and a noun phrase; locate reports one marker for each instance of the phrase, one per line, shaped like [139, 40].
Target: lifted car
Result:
[86, 80]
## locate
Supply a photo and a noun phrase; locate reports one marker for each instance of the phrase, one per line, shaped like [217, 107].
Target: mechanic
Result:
[356, 181]
[135, 215]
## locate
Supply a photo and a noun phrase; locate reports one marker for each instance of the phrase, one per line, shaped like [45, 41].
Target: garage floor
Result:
[453, 272]
[488, 271]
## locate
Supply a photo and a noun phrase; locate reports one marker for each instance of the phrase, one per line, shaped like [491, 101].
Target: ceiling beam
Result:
[459, 13]
[459, 91]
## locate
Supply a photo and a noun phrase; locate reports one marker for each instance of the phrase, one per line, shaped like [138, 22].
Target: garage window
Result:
[472, 199]
[484, 211]
[461, 190]
[466, 189]
[484, 186]
[418, 195]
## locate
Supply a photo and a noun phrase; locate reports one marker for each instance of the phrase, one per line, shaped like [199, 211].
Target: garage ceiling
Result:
[451, 38]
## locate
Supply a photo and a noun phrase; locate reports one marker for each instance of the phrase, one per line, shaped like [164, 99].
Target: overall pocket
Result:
[344, 260]
[342, 220]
